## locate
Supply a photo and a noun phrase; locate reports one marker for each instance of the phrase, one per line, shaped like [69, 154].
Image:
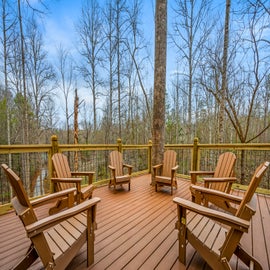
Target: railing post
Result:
[149, 156]
[119, 143]
[54, 149]
[195, 155]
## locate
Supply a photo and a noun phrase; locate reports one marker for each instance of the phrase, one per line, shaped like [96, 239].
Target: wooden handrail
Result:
[191, 154]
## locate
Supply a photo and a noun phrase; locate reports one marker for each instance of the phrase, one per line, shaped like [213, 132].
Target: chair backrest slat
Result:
[17, 186]
[224, 168]
[62, 170]
[116, 160]
[21, 201]
[169, 161]
[254, 183]
[225, 165]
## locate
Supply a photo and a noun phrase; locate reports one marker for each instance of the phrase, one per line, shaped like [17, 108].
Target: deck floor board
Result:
[136, 230]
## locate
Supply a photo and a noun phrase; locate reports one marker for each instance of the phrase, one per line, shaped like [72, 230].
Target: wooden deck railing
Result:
[33, 162]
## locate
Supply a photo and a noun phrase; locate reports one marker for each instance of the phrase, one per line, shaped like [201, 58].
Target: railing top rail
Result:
[7, 149]
[191, 156]
[175, 146]
[246, 146]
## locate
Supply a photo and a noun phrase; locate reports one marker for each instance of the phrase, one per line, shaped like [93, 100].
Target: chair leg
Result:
[182, 241]
[29, 258]
[247, 258]
[91, 224]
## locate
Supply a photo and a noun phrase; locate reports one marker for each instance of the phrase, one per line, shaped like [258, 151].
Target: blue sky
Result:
[59, 24]
[64, 14]
[60, 29]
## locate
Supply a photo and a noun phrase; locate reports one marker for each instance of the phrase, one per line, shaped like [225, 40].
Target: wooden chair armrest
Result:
[67, 180]
[157, 166]
[82, 173]
[174, 172]
[194, 174]
[202, 172]
[76, 181]
[129, 167]
[112, 170]
[53, 196]
[87, 192]
[219, 179]
[215, 193]
[111, 167]
[45, 223]
[228, 219]
[89, 174]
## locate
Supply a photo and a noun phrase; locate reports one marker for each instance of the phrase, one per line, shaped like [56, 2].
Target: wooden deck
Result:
[136, 231]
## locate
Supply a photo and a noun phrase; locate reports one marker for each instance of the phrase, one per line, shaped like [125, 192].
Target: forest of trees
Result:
[218, 92]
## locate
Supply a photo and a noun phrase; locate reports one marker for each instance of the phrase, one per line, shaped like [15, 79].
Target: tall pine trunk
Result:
[158, 132]
[224, 72]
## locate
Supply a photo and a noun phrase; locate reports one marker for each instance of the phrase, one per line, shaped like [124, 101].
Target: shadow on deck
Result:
[136, 230]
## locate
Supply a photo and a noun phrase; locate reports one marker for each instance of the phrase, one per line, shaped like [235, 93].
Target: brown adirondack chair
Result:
[222, 178]
[55, 239]
[165, 173]
[65, 178]
[119, 175]
[215, 234]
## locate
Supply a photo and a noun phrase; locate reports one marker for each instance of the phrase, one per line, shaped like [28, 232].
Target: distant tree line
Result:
[219, 90]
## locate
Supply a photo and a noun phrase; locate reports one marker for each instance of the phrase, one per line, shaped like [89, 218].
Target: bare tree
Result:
[245, 87]
[7, 24]
[121, 24]
[176, 109]
[247, 71]
[135, 95]
[116, 28]
[92, 40]
[25, 125]
[41, 79]
[65, 70]
[191, 29]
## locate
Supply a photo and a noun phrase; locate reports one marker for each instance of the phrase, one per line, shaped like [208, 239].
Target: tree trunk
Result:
[158, 132]
[224, 72]
[25, 132]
